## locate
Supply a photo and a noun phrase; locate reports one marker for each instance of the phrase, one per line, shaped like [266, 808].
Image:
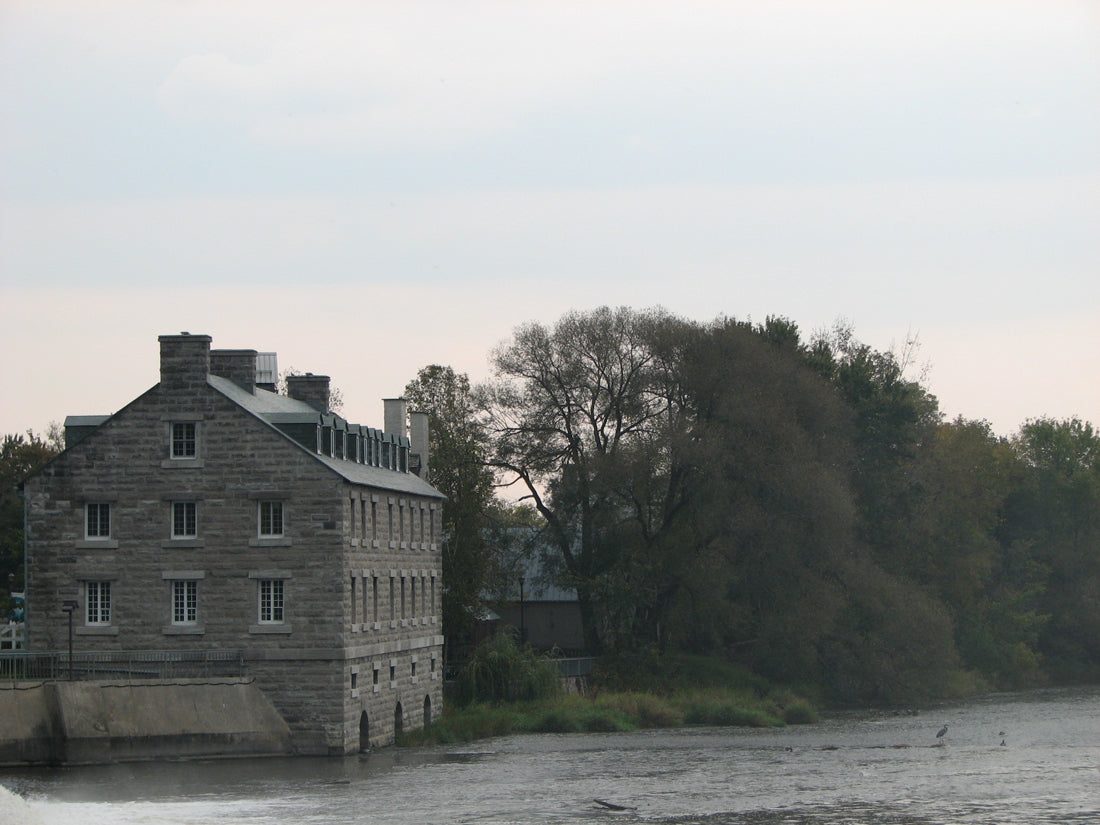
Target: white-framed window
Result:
[185, 439]
[185, 601]
[271, 595]
[97, 601]
[185, 519]
[97, 520]
[270, 519]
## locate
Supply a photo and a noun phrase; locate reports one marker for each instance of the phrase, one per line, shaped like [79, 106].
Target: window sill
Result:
[281, 541]
[94, 544]
[181, 544]
[182, 464]
[271, 629]
[92, 630]
[183, 630]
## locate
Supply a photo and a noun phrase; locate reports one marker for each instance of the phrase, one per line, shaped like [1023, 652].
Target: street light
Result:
[69, 607]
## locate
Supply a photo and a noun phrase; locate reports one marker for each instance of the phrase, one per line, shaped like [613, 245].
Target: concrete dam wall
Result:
[114, 721]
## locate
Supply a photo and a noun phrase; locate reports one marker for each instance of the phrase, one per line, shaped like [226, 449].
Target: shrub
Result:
[501, 671]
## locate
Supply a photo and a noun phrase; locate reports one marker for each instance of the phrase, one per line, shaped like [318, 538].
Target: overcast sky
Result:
[370, 187]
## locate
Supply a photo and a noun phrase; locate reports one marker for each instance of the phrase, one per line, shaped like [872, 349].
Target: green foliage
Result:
[20, 455]
[649, 671]
[457, 468]
[501, 671]
[801, 509]
[1054, 516]
[723, 709]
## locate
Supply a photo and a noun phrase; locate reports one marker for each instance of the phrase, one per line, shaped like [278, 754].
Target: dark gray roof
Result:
[273, 409]
[85, 420]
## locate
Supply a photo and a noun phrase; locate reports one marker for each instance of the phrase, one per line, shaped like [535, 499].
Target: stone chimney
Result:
[418, 443]
[310, 388]
[238, 365]
[395, 413]
[184, 361]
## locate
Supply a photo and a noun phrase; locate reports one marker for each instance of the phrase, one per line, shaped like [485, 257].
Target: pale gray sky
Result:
[370, 187]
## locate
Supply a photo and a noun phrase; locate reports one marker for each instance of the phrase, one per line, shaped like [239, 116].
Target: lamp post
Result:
[522, 617]
[68, 607]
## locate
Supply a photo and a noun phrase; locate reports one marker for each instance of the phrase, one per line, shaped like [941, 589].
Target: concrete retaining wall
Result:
[107, 721]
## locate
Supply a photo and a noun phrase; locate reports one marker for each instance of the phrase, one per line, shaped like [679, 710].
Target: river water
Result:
[850, 769]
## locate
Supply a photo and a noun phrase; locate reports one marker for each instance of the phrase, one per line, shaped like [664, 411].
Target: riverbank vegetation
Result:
[506, 688]
[798, 507]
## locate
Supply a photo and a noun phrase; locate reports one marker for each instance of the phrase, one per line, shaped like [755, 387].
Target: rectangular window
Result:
[271, 519]
[374, 597]
[97, 520]
[185, 523]
[185, 602]
[271, 601]
[97, 599]
[184, 439]
[354, 600]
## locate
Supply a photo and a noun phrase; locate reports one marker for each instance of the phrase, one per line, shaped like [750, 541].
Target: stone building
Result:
[211, 513]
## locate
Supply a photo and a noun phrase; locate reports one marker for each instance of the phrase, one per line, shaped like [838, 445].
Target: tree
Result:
[457, 467]
[578, 416]
[1055, 516]
[773, 456]
[20, 455]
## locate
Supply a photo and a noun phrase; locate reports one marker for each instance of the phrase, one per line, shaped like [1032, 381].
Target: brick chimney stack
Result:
[184, 361]
[310, 388]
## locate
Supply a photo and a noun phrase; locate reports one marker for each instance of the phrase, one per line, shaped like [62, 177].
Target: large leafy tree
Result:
[1055, 515]
[20, 455]
[579, 415]
[457, 467]
[894, 418]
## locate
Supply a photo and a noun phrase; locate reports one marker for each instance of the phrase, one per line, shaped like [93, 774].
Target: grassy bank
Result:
[607, 712]
[506, 690]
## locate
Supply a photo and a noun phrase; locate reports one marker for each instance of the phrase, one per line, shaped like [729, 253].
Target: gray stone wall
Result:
[332, 538]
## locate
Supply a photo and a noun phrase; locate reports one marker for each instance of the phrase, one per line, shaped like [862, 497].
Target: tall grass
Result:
[506, 689]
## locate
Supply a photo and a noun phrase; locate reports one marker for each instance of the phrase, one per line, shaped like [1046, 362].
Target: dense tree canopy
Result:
[800, 507]
[458, 468]
[20, 455]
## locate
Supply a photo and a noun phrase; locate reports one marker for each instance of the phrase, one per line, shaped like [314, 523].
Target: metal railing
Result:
[137, 664]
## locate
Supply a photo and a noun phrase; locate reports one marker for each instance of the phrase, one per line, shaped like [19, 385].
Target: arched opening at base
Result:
[427, 711]
[364, 732]
[398, 720]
